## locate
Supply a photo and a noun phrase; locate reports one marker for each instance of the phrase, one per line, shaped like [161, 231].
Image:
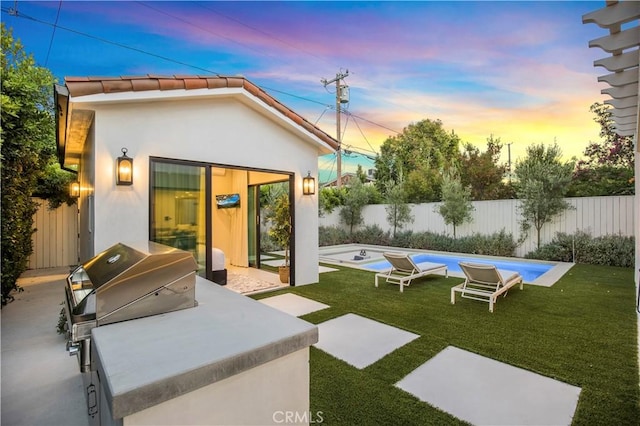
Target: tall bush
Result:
[581, 247]
[543, 181]
[280, 231]
[28, 145]
[398, 211]
[355, 200]
[456, 204]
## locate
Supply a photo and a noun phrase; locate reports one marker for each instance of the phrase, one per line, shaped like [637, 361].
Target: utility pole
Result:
[342, 96]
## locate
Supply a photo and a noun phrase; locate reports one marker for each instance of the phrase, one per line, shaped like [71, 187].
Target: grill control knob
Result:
[73, 349]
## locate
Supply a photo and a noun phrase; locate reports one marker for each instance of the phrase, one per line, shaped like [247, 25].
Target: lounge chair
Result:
[485, 283]
[404, 269]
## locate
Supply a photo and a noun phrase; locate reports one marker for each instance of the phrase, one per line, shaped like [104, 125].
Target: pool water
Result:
[529, 271]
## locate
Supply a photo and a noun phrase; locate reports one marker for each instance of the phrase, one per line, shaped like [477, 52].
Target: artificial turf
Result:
[582, 331]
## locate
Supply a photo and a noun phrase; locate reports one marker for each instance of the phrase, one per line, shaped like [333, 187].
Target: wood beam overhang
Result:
[624, 47]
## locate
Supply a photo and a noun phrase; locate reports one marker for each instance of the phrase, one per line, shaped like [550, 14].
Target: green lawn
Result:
[582, 331]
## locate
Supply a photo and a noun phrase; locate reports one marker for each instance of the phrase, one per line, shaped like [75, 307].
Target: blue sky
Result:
[520, 71]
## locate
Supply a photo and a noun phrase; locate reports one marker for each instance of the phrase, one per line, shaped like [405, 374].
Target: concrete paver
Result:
[483, 391]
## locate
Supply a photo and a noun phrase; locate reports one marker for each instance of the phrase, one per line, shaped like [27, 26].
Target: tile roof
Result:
[82, 86]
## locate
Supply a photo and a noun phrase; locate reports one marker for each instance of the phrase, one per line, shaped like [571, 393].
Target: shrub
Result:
[497, 244]
[371, 234]
[332, 235]
[267, 244]
[404, 239]
[438, 242]
[612, 250]
[581, 247]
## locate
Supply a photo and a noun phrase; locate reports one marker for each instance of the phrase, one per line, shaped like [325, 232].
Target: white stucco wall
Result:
[269, 394]
[221, 130]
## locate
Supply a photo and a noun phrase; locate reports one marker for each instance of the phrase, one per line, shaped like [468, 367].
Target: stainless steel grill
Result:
[124, 283]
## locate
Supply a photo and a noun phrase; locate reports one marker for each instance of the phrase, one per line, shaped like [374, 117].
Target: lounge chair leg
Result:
[453, 297]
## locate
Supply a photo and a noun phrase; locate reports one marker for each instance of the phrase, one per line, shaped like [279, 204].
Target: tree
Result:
[543, 181]
[398, 211]
[421, 149]
[615, 150]
[360, 174]
[280, 216]
[28, 147]
[329, 199]
[354, 201]
[481, 171]
[609, 166]
[423, 185]
[456, 204]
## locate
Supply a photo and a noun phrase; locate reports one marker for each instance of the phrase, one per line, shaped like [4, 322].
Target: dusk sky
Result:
[520, 71]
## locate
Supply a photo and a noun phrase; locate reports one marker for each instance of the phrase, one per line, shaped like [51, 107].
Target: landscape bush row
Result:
[581, 247]
[498, 244]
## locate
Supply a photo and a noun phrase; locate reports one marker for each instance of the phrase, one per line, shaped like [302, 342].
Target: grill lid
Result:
[122, 276]
[112, 262]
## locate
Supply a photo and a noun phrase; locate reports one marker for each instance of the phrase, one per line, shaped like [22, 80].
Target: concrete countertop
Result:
[150, 360]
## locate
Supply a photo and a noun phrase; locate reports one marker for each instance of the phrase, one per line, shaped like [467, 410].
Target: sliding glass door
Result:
[178, 207]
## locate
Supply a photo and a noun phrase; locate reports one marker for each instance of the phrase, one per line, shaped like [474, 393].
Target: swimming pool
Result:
[535, 272]
[529, 271]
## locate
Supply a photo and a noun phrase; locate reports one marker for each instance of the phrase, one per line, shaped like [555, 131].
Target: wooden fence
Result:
[596, 215]
[55, 242]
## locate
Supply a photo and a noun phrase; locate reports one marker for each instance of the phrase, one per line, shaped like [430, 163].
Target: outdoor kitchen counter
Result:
[145, 362]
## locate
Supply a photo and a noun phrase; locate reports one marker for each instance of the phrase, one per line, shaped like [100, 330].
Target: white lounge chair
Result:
[404, 269]
[485, 283]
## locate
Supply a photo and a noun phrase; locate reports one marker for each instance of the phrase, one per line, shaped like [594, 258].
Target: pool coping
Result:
[547, 279]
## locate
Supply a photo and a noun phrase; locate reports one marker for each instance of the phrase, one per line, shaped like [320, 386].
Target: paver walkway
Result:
[473, 388]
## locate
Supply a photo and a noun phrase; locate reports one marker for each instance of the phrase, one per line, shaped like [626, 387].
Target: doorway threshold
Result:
[249, 281]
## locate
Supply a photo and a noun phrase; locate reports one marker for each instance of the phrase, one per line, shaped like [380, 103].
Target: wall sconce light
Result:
[124, 169]
[74, 190]
[308, 185]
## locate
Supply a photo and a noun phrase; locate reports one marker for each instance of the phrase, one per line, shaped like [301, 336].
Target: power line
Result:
[53, 33]
[259, 31]
[14, 12]
[333, 163]
[199, 27]
[349, 149]
[323, 111]
[362, 133]
[270, 36]
[114, 43]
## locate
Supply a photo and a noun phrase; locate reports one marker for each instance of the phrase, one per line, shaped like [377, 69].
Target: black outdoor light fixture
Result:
[124, 169]
[74, 189]
[308, 185]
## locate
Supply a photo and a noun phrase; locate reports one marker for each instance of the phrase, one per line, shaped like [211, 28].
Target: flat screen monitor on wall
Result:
[226, 201]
